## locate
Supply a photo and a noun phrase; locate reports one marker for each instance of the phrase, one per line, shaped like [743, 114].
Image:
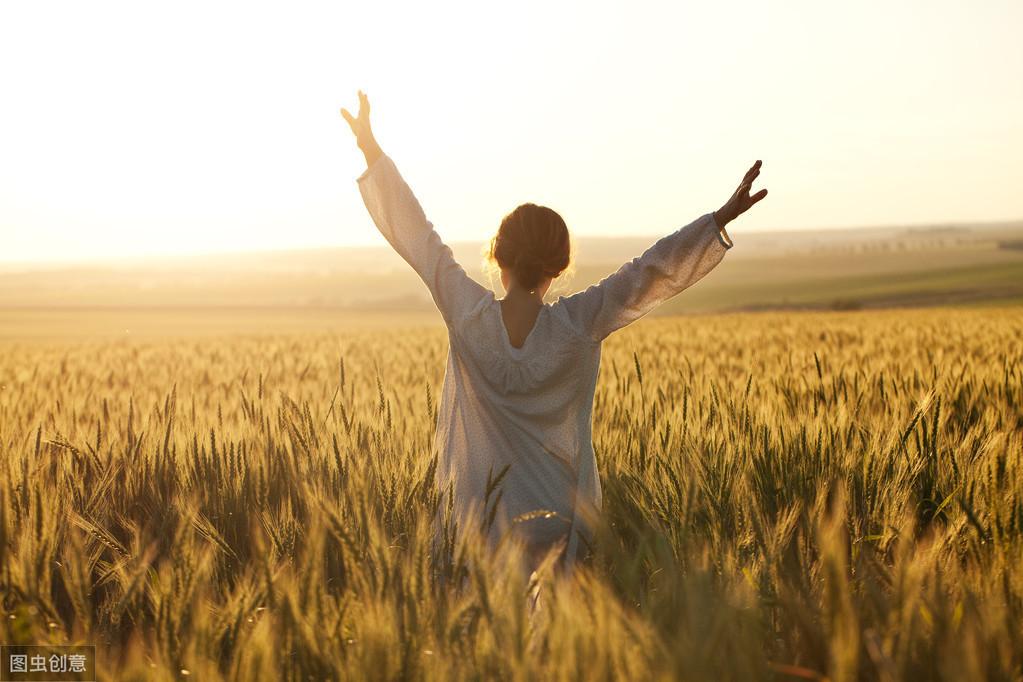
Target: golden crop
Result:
[786, 496]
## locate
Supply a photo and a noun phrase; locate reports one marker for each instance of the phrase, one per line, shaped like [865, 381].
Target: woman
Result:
[520, 376]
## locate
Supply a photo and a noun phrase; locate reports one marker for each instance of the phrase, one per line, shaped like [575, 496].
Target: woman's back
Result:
[524, 411]
[521, 413]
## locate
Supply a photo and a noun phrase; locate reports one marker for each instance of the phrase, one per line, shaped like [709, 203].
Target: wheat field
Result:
[786, 496]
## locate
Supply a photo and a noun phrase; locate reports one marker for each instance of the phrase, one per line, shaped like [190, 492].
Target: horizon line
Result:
[176, 255]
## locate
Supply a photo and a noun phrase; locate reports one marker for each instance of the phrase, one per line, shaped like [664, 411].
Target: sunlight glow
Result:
[133, 128]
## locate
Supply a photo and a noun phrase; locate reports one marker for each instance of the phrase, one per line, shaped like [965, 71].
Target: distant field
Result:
[837, 269]
[830, 283]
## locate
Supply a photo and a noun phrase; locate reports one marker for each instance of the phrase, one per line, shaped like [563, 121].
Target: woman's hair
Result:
[533, 242]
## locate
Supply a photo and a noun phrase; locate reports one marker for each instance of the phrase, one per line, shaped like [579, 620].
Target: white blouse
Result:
[527, 411]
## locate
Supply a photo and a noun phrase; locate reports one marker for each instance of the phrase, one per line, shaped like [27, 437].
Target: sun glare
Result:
[131, 128]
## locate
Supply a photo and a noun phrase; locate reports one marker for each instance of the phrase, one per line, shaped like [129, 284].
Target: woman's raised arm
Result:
[674, 263]
[400, 218]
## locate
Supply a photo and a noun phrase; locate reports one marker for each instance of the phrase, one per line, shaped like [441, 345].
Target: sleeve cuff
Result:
[371, 168]
[722, 233]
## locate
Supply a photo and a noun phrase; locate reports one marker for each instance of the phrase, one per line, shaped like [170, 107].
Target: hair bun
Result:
[527, 260]
[533, 242]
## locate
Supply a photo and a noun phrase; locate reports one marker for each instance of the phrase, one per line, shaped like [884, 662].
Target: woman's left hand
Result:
[360, 126]
[362, 131]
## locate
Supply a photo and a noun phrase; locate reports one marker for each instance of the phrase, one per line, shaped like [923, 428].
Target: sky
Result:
[136, 128]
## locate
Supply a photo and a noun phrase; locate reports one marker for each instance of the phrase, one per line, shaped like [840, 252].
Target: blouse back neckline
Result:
[522, 350]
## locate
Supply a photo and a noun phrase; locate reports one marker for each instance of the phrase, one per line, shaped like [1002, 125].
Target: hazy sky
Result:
[177, 127]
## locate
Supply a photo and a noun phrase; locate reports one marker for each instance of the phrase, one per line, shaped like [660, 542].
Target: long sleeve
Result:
[400, 218]
[675, 262]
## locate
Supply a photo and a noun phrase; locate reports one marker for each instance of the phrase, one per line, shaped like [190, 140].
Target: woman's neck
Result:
[521, 296]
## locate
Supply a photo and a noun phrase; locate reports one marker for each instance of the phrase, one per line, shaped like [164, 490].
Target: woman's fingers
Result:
[741, 199]
[363, 116]
[352, 123]
[748, 180]
[753, 172]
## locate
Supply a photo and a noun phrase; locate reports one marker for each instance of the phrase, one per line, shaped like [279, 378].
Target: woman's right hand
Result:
[740, 201]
